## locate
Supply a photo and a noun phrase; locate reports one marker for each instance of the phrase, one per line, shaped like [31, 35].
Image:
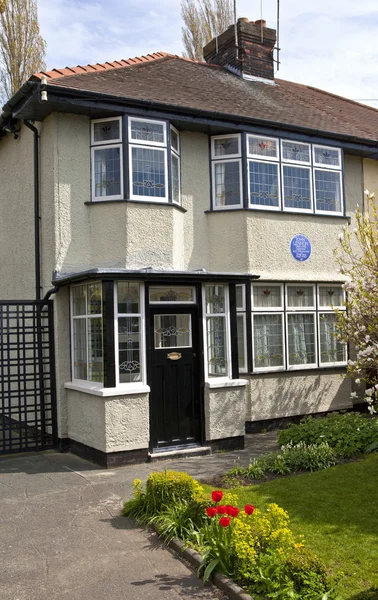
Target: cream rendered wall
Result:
[17, 217]
[225, 412]
[108, 424]
[370, 175]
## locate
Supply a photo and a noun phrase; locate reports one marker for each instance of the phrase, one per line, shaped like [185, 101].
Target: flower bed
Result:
[255, 548]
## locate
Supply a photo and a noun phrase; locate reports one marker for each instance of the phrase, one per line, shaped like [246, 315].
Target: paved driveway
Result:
[61, 536]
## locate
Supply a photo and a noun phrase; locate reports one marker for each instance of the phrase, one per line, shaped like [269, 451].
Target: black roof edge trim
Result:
[124, 100]
[149, 275]
[25, 90]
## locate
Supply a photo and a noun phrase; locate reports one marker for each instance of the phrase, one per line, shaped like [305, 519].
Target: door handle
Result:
[174, 355]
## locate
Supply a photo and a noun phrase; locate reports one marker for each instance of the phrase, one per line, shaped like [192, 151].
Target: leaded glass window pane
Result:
[175, 141]
[129, 349]
[268, 341]
[173, 331]
[328, 190]
[331, 295]
[79, 300]
[261, 146]
[226, 146]
[241, 335]
[215, 299]
[94, 299]
[106, 131]
[128, 297]
[80, 349]
[95, 355]
[146, 131]
[327, 156]
[240, 297]
[175, 172]
[107, 172]
[301, 339]
[331, 351]
[297, 187]
[300, 296]
[216, 346]
[296, 151]
[227, 183]
[148, 172]
[177, 293]
[267, 296]
[263, 184]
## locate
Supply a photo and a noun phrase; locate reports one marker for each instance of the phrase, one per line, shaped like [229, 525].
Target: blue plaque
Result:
[300, 247]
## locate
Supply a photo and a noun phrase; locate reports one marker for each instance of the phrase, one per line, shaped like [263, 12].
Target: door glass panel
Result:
[173, 331]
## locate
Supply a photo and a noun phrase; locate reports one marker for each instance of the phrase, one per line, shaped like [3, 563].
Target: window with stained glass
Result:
[267, 297]
[227, 183]
[331, 350]
[129, 332]
[217, 331]
[300, 296]
[295, 152]
[297, 193]
[227, 146]
[147, 132]
[268, 343]
[107, 172]
[174, 293]
[241, 327]
[175, 166]
[325, 156]
[262, 147]
[264, 184]
[301, 340]
[331, 296]
[328, 191]
[87, 346]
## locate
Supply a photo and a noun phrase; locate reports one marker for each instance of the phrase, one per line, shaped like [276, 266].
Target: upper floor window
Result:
[144, 174]
[282, 175]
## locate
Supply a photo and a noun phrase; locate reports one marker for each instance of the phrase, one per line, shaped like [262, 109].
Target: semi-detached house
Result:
[185, 214]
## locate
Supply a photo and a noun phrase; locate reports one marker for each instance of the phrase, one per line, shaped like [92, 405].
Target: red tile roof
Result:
[174, 81]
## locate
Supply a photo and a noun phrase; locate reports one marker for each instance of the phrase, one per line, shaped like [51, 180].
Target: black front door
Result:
[174, 376]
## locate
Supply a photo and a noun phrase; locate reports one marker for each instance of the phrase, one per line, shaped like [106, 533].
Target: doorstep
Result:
[164, 454]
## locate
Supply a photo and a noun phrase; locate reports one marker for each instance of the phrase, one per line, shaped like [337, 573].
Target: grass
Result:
[337, 512]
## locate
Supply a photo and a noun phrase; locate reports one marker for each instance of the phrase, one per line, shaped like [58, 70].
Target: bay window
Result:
[217, 327]
[282, 175]
[86, 333]
[144, 173]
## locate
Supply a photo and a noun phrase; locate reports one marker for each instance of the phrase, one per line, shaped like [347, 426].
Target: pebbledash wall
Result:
[77, 236]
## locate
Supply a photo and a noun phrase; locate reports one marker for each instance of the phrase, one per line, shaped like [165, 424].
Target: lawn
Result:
[337, 512]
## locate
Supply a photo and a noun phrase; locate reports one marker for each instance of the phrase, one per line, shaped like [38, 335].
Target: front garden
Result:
[327, 550]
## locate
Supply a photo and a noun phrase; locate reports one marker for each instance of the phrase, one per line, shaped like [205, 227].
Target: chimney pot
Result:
[243, 20]
[260, 22]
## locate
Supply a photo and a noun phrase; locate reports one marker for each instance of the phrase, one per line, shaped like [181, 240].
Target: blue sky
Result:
[329, 44]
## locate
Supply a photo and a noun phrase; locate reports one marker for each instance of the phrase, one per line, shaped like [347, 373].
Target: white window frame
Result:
[329, 364]
[167, 183]
[267, 309]
[231, 206]
[264, 206]
[177, 154]
[115, 196]
[300, 308]
[303, 163]
[84, 382]
[290, 208]
[130, 385]
[269, 369]
[224, 157]
[302, 367]
[226, 314]
[104, 142]
[323, 166]
[260, 156]
[329, 212]
[132, 141]
[329, 308]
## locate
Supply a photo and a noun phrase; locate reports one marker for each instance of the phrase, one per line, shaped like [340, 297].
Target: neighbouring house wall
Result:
[370, 175]
[277, 395]
[17, 275]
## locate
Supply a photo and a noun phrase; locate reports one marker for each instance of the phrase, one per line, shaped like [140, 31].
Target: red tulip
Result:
[221, 510]
[224, 521]
[249, 509]
[234, 511]
[217, 495]
[211, 511]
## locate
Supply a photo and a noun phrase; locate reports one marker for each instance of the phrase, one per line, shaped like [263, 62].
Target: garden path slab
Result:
[62, 536]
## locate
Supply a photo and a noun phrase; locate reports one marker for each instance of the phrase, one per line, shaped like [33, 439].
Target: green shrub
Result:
[307, 572]
[348, 433]
[290, 459]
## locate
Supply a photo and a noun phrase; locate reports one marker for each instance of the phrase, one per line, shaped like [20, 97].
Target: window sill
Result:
[299, 371]
[107, 392]
[275, 212]
[226, 383]
[142, 202]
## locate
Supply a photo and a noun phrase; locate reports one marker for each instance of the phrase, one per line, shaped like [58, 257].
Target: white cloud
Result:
[327, 44]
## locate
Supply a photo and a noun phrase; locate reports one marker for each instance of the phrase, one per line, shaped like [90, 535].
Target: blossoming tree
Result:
[357, 257]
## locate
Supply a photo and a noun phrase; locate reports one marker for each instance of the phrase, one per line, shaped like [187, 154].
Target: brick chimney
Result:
[254, 54]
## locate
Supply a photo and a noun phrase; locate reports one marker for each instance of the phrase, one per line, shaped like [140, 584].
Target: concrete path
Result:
[62, 536]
